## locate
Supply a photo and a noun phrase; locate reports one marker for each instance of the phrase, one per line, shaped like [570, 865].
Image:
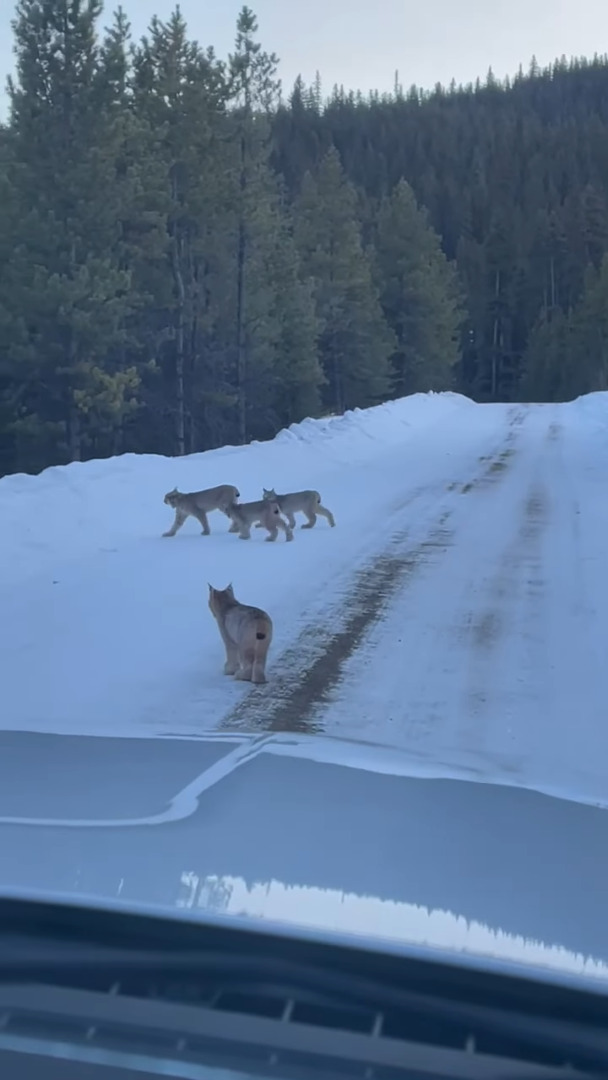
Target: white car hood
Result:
[314, 832]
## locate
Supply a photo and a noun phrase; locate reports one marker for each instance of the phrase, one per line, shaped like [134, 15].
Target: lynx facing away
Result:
[198, 504]
[246, 632]
[308, 502]
[265, 512]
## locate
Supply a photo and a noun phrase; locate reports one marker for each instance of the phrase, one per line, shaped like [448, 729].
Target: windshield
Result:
[303, 437]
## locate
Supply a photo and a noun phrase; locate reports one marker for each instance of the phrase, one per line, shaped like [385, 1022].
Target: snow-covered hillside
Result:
[458, 610]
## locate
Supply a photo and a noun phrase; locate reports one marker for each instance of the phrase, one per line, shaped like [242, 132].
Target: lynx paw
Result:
[243, 675]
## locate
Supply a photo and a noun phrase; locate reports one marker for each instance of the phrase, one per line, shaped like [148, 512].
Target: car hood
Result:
[311, 832]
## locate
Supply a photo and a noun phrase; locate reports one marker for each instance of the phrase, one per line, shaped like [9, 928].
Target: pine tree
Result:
[586, 364]
[281, 324]
[256, 90]
[13, 333]
[546, 358]
[273, 308]
[567, 355]
[420, 294]
[143, 239]
[71, 201]
[355, 342]
[181, 91]
[298, 375]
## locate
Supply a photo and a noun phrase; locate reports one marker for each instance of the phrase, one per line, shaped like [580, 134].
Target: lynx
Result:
[198, 504]
[265, 512]
[308, 502]
[246, 632]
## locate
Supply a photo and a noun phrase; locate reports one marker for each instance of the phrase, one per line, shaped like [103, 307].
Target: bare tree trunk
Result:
[241, 344]
[338, 384]
[179, 350]
[336, 355]
[74, 434]
[552, 273]
[74, 431]
[241, 349]
[193, 345]
[494, 385]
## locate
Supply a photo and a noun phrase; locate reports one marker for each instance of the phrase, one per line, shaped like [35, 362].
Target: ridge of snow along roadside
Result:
[591, 410]
[69, 510]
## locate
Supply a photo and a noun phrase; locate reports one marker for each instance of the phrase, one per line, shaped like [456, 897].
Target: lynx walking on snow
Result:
[198, 504]
[246, 632]
[308, 502]
[265, 512]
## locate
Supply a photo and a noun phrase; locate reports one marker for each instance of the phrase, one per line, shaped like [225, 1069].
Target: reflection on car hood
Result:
[309, 831]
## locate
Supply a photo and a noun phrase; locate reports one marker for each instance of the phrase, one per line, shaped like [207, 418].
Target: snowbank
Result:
[591, 410]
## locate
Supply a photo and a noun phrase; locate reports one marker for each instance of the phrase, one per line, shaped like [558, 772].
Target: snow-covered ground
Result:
[458, 611]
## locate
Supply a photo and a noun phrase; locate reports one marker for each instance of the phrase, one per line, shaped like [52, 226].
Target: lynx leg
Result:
[202, 517]
[324, 512]
[244, 673]
[232, 659]
[273, 532]
[291, 521]
[311, 519]
[180, 517]
[258, 670]
[245, 532]
[286, 529]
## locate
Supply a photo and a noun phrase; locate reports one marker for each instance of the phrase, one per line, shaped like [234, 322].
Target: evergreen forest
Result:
[192, 255]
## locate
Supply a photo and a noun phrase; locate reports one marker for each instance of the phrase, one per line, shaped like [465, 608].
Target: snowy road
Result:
[458, 610]
[492, 655]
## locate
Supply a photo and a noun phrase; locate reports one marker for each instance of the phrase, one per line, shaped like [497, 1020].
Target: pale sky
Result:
[361, 43]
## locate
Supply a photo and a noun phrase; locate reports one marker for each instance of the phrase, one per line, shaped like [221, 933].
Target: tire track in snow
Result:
[502, 636]
[305, 675]
[514, 594]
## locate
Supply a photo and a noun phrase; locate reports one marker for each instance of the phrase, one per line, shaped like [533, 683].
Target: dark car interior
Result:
[91, 992]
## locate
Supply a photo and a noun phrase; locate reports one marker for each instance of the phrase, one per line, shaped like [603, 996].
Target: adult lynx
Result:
[246, 632]
[265, 512]
[198, 504]
[306, 502]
